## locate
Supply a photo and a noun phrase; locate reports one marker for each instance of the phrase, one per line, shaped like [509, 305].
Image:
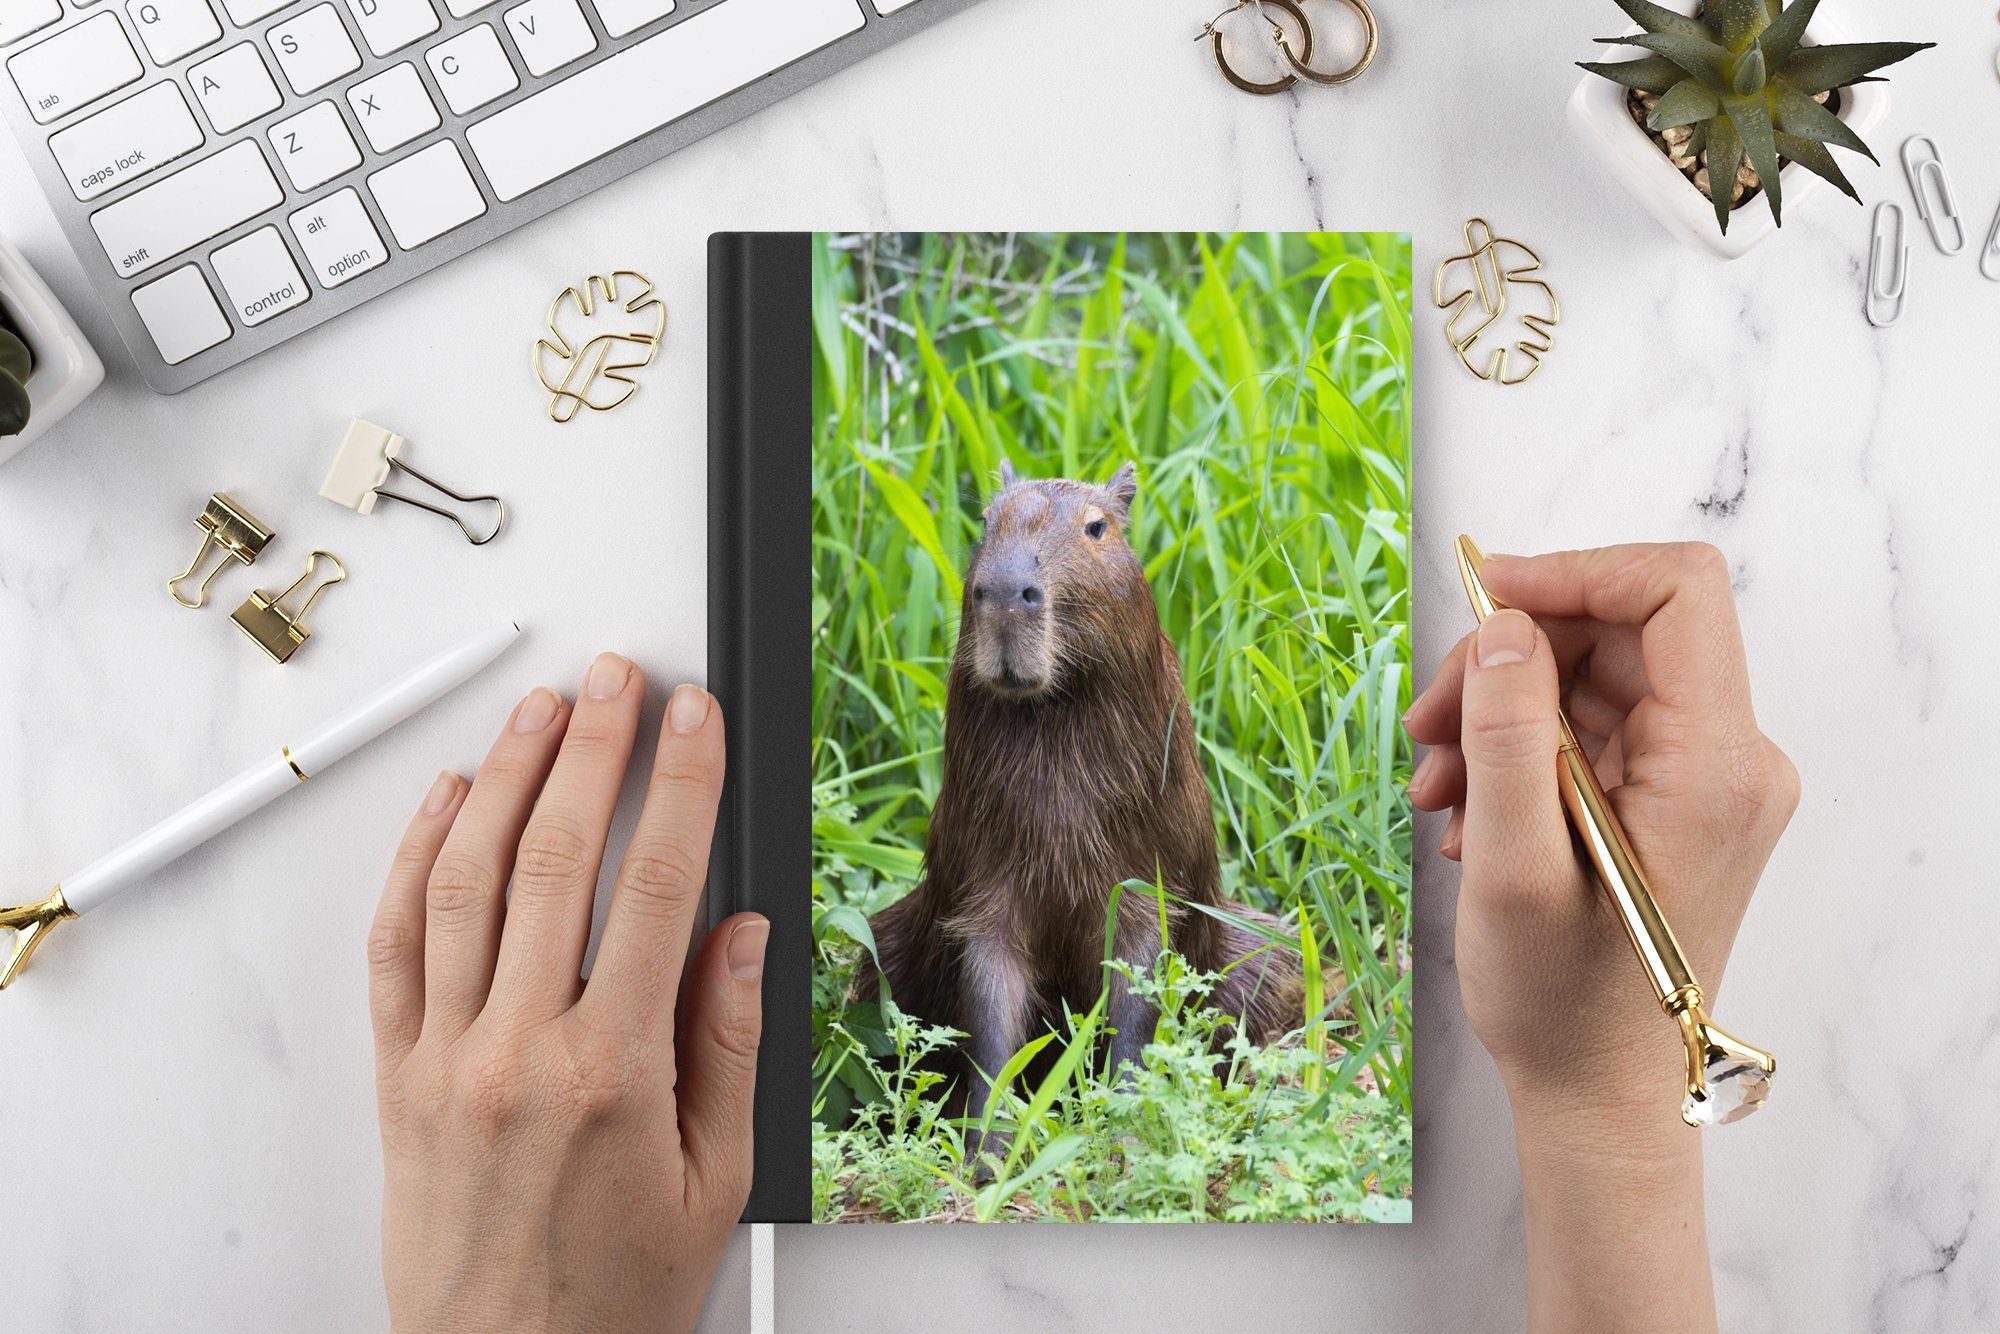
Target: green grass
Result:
[1262, 385]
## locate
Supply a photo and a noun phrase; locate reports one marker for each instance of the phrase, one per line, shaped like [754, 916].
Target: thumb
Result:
[1514, 830]
[722, 1024]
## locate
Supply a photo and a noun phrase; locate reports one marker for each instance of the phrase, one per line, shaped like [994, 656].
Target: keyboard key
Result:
[126, 140]
[649, 84]
[314, 146]
[313, 49]
[243, 13]
[471, 69]
[339, 240]
[74, 68]
[891, 6]
[391, 25]
[259, 276]
[172, 28]
[181, 314]
[427, 194]
[18, 18]
[550, 34]
[393, 107]
[460, 8]
[234, 87]
[153, 224]
[628, 16]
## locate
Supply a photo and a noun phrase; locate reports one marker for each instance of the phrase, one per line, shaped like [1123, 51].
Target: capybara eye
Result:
[1095, 528]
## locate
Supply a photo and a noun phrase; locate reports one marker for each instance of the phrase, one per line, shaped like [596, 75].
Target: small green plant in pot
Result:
[1741, 79]
[15, 364]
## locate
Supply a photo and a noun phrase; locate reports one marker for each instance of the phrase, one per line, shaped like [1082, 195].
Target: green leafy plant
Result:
[1741, 75]
[15, 363]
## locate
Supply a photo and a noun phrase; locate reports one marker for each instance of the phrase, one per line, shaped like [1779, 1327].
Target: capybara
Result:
[1069, 767]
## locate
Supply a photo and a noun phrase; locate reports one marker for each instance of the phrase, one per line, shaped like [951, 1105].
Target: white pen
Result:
[264, 781]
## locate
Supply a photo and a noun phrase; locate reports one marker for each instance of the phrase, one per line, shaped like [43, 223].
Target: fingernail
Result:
[688, 709]
[1448, 846]
[537, 711]
[1417, 779]
[746, 947]
[608, 675]
[1504, 637]
[442, 791]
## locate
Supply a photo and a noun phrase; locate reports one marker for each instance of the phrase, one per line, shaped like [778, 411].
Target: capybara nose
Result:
[1009, 596]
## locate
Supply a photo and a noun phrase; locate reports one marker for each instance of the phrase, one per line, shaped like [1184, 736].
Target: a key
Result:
[18, 18]
[314, 146]
[313, 49]
[550, 34]
[427, 194]
[74, 68]
[471, 69]
[172, 28]
[259, 276]
[393, 107]
[243, 13]
[339, 240]
[157, 222]
[126, 140]
[628, 16]
[891, 6]
[234, 88]
[391, 25]
[460, 8]
[649, 84]
[181, 314]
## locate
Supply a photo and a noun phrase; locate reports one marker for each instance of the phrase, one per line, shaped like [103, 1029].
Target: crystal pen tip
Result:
[31, 924]
[1727, 1079]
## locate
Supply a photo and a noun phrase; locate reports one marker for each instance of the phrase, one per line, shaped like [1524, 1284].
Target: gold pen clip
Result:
[1726, 1079]
[227, 525]
[277, 631]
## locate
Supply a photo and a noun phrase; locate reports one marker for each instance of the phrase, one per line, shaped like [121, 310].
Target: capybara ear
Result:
[1007, 477]
[1123, 486]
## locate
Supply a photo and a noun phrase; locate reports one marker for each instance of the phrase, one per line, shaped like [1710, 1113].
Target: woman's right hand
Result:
[1641, 647]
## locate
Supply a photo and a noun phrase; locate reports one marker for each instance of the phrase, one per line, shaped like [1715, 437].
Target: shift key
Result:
[123, 142]
[157, 223]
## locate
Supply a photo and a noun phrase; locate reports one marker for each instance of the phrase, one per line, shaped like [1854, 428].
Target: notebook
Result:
[1060, 605]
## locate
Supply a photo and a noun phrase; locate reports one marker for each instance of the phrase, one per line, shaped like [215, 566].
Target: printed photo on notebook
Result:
[1109, 598]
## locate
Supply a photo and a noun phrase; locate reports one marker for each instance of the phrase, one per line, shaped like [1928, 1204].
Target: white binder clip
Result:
[367, 456]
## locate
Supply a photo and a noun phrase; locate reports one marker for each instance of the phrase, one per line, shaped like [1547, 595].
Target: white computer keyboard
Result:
[231, 177]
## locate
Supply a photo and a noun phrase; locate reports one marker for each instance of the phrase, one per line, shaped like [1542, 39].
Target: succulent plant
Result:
[15, 363]
[1739, 73]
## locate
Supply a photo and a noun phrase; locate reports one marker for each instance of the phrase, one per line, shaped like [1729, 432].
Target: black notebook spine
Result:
[759, 664]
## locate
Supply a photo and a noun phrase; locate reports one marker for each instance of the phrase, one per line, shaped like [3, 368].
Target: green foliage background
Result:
[1262, 385]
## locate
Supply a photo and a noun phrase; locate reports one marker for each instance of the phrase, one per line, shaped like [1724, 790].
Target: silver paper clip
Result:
[1989, 258]
[1924, 173]
[368, 454]
[1884, 304]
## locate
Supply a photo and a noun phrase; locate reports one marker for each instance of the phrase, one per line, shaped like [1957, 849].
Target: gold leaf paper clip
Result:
[1488, 283]
[586, 376]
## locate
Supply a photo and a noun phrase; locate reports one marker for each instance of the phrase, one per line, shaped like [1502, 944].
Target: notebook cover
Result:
[1060, 600]
[759, 405]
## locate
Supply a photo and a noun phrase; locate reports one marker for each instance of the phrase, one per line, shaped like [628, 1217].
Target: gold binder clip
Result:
[227, 525]
[277, 631]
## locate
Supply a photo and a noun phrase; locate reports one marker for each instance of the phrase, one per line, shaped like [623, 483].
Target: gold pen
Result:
[1726, 1079]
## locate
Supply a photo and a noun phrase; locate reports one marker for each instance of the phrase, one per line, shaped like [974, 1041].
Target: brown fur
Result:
[1069, 766]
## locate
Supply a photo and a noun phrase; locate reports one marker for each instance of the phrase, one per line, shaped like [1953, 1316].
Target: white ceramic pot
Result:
[66, 369]
[1597, 112]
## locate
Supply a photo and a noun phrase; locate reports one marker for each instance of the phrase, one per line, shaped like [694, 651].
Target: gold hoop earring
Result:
[1370, 38]
[1280, 84]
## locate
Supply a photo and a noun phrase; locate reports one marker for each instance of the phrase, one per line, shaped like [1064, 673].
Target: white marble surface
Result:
[184, 1080]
